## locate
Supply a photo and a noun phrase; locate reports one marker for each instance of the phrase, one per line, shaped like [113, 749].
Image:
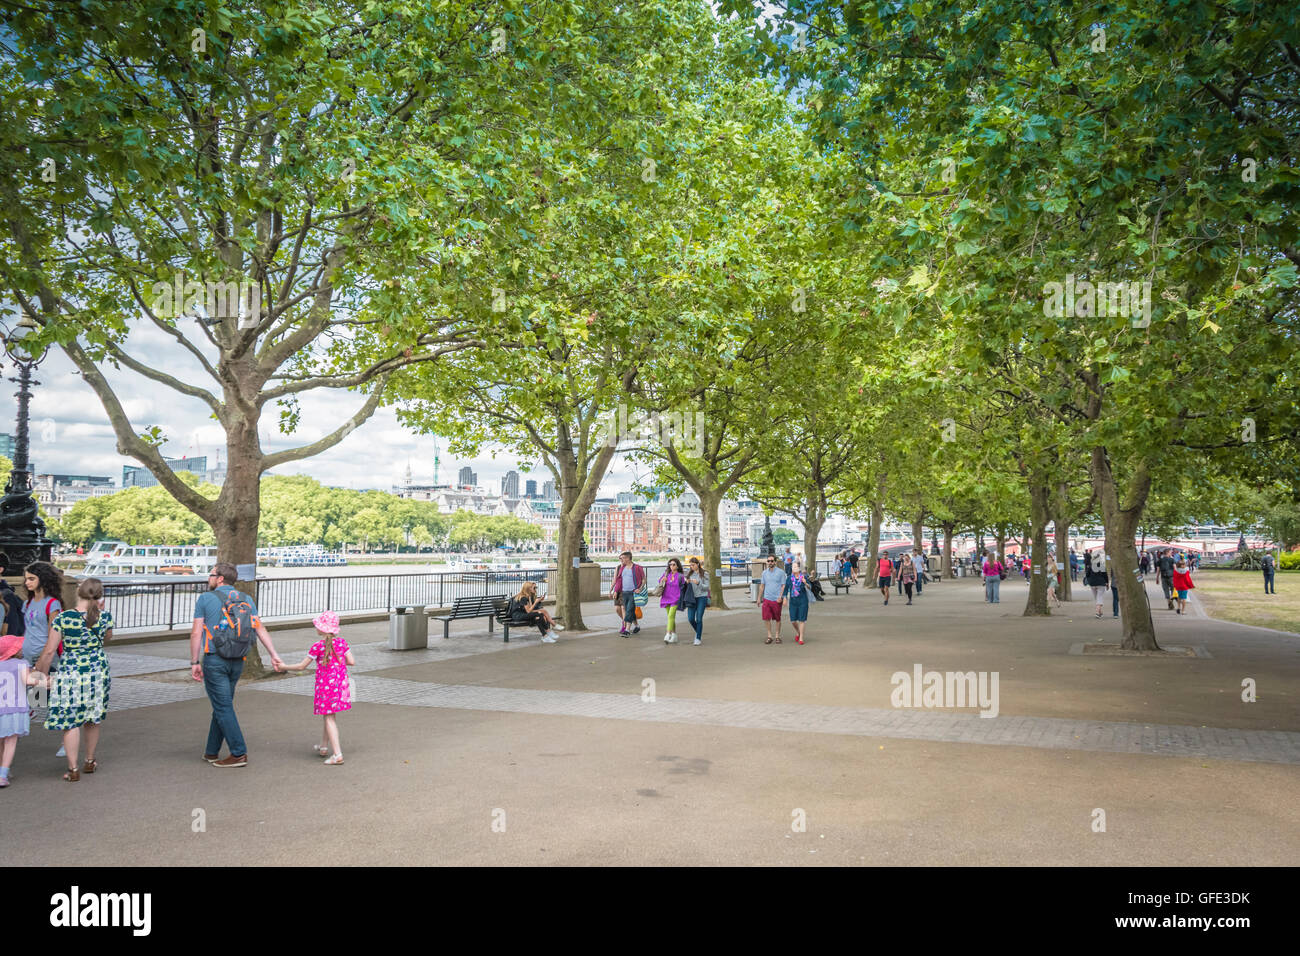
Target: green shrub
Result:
[1290, 561]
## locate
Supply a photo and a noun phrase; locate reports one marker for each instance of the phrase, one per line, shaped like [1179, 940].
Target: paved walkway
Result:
[601, 749]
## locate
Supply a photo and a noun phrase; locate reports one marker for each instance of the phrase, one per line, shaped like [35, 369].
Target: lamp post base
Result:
[23, 552]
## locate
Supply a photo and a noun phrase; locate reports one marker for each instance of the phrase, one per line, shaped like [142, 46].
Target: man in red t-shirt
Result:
[884, 574]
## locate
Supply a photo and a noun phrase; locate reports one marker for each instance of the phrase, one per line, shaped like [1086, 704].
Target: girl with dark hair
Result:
[79, 692]
[44, 583]
[670, 587]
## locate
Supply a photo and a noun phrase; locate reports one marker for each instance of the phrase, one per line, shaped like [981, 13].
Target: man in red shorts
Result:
[771, 594]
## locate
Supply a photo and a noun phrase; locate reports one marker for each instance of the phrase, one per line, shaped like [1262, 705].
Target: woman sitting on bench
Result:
[526, 608]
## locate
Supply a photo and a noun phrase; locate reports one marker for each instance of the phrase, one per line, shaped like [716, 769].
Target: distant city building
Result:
[530, 488]
[58, 493]
[7, 446]
[680, 524]
[510, 485]
[467, 479]
[548, 491]
[134, 476]
[628, 498]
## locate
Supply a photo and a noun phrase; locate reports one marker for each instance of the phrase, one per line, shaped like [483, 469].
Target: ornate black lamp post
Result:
[934, 542]
[768, 547]
[22, 532]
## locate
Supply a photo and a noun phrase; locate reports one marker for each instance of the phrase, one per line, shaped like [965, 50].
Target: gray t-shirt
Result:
[37, 626]
[629, 578]
[773, 581]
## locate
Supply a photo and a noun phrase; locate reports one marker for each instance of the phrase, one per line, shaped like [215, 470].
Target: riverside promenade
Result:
[600, 750]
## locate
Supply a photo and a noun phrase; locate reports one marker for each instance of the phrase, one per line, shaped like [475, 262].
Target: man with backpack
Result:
[225, 626]
[1269, 568]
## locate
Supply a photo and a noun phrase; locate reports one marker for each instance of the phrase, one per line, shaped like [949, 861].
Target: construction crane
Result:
[435, 463]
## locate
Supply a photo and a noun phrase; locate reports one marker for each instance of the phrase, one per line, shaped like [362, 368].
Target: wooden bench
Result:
[491, 607]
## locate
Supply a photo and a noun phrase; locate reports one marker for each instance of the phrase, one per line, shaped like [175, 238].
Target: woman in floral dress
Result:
[79, 690]
[333, 657]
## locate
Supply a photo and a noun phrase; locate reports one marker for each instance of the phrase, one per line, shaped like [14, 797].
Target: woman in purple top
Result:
[670, 587]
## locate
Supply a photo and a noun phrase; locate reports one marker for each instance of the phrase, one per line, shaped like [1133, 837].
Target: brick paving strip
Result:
[1254, 746]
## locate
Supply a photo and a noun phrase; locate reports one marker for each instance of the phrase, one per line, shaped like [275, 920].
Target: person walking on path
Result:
[333, 694]
[628, 579]
[853, 565]
[700, 584]
[1053, 581]
[1269, 568]
[44, 585]
[1165, 574]
[525, 609]
[1095, 576]
[1074, 565]
[1182, 579]
[884, 574]
[670, 596]
[921, 566]
[796, 594]
[79, 691]
[220, 609]
[992, 571]
[907, 575]
[771, 593]
[15, 715]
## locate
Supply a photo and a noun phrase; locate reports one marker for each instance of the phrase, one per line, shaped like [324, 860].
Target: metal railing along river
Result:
[170, 606]
[167, 606]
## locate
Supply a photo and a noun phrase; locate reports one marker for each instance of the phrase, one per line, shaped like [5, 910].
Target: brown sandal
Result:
[778, 640]
[768, 641]
[72, 776]
[90, 766]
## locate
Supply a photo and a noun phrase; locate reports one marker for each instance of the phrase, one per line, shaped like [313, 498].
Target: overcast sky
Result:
[70, 433]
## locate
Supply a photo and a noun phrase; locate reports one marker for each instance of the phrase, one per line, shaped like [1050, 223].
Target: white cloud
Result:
[374, 456]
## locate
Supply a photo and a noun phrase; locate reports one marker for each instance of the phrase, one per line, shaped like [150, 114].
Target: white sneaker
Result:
[697, 642]
[549, 638]
[557, 627]
[61, 752]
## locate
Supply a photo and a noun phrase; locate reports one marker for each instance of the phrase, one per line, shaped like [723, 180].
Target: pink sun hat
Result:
[327, 622]
[11, 645]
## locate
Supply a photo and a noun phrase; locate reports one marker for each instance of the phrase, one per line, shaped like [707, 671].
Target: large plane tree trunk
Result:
[1061, 522]
[1039, 508]
[1121, 520]
[710, 502]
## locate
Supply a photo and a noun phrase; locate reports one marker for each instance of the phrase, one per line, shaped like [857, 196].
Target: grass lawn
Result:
[1239, 596]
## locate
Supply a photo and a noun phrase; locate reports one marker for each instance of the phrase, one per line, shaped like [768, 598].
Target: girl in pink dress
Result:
[333, 657]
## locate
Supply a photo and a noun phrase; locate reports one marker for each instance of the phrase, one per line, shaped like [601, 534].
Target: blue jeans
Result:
[219, 679]
[695, 615]
[629, 608]
[991, 585]
[1269, 587]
